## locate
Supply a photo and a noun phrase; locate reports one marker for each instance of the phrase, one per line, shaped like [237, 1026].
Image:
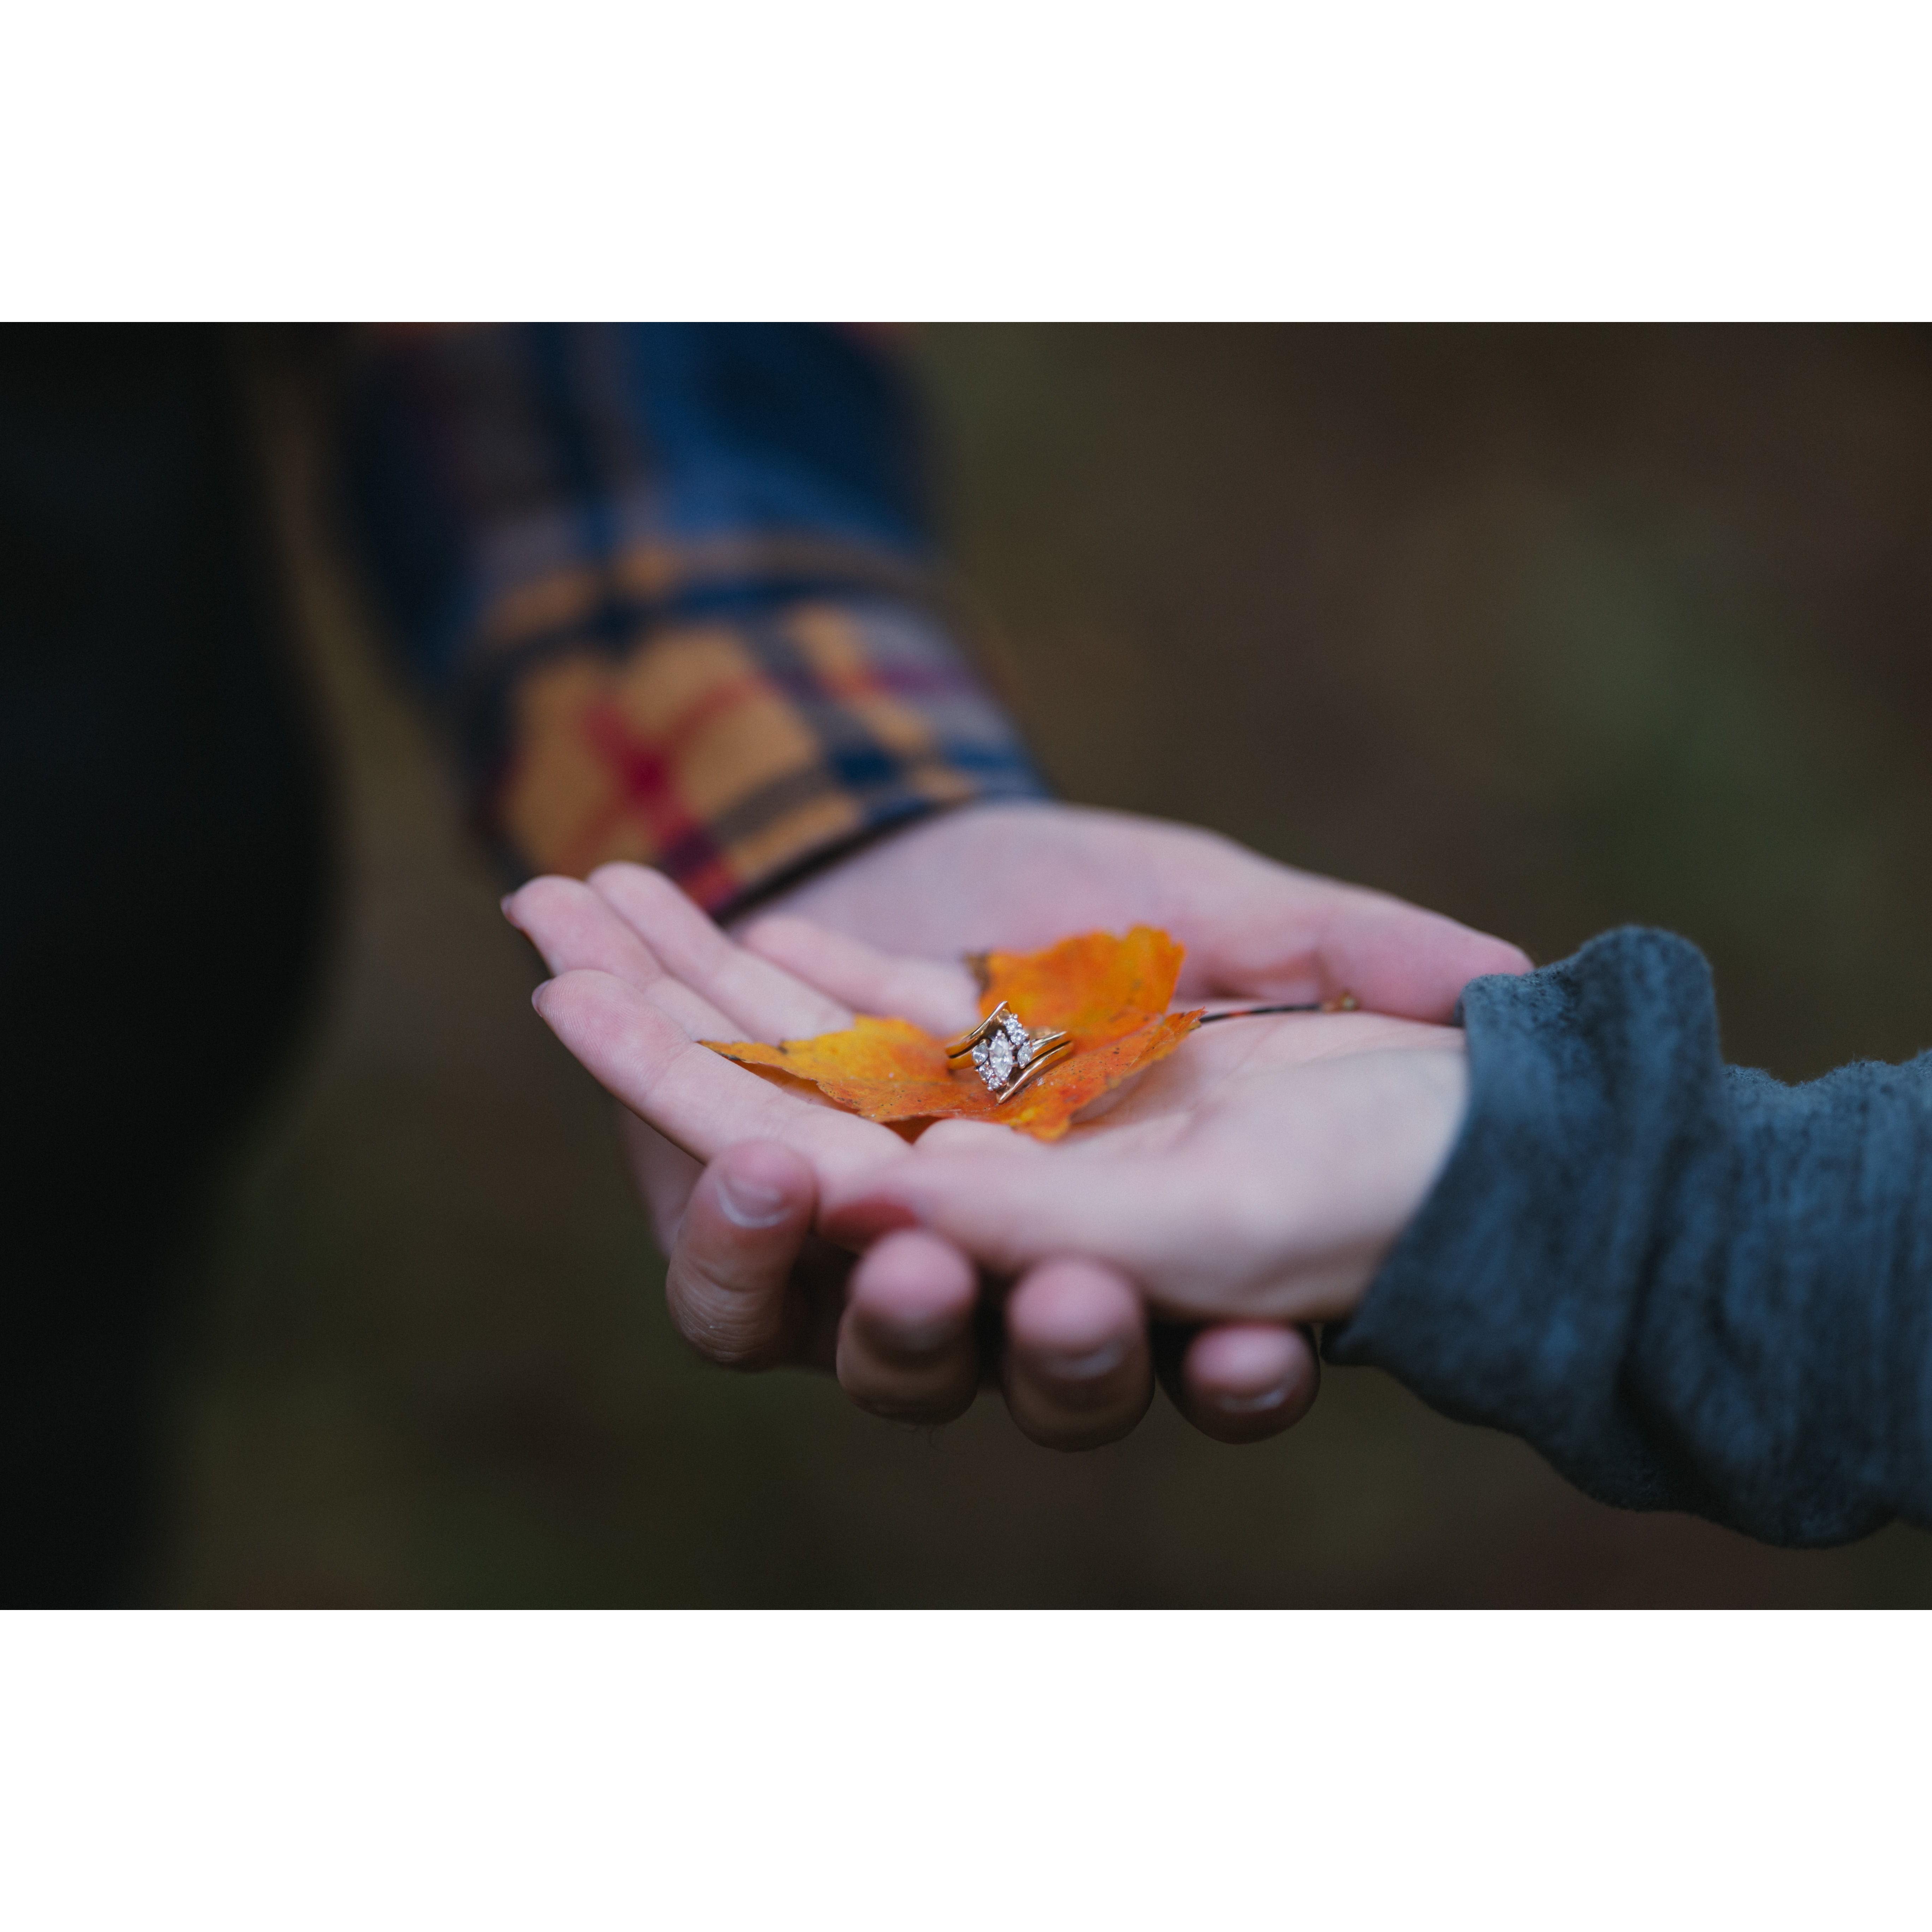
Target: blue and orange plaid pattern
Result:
[674, 585]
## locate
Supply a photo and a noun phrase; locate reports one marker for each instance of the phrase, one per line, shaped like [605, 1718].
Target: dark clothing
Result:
[1691, 1286]
[672, 589]
[166, 887]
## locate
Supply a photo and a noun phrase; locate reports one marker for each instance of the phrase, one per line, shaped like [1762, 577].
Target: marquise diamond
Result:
[999, 1067]
[1006, 1050]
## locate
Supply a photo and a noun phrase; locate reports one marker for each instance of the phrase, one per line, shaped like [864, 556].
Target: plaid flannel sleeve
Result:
[674, 585]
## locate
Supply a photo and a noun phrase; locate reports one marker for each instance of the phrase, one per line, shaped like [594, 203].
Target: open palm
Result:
[1260, 1171]
[642, 976]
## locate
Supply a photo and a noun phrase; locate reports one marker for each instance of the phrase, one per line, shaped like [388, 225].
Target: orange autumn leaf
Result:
[1109, 995]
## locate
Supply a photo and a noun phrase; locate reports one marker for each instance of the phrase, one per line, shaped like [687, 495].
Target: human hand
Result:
[750, 1286]
[1262, 1171]
[1018, 875]
[1186, 1088]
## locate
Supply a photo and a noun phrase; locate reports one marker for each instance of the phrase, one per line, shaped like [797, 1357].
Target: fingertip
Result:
[1483, 954]
[644, 887]
[1078, 1371]
[912, 1294]
[576, 986]
[1244, 1382]
[616, 872]
[550, 888]
[515, 904]
[1071, 1309]
[907, 1349]
[1245, 1361]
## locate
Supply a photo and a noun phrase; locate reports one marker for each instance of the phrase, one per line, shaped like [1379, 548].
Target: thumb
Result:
[1393, 957]
[729, 1272]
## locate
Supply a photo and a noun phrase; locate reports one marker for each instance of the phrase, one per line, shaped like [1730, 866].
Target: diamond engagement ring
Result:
[1008, 1057]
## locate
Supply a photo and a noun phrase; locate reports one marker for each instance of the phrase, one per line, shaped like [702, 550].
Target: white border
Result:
[960, 1770]
[1036, 158]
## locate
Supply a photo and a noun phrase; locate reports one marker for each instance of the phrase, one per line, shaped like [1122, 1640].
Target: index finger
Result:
[763, 998]
[1398, 958]
[693, 1096]
[1312, 939]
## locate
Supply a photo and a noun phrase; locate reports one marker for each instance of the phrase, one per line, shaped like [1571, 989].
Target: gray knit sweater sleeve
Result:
[1691, 1286]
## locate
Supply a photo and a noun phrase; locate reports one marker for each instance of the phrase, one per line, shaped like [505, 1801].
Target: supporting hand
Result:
[1262, 1172]
[749, 1287]
[1074, 1363]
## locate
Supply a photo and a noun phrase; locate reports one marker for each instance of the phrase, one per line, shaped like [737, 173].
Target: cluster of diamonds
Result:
[1003, 1053]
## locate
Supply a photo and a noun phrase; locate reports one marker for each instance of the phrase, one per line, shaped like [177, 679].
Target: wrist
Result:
[816, 877]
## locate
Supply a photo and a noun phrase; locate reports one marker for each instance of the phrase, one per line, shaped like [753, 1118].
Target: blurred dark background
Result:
[1550, 628]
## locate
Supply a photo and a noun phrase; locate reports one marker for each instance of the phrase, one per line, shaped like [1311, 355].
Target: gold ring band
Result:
[1005, 1055]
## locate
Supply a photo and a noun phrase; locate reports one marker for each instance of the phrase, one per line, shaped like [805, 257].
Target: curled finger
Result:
[1077, 1371]
[1240, 1381]
[906, 1345]
[728, 1286]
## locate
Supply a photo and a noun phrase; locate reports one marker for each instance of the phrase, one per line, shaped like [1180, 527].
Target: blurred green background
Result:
[1551, 628]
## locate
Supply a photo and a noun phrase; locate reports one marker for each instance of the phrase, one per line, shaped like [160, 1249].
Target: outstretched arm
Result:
[1691, 1286]
[675, 589]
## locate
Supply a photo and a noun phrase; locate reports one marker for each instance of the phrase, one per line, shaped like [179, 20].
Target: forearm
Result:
[1690, 1286]
[672, 588]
